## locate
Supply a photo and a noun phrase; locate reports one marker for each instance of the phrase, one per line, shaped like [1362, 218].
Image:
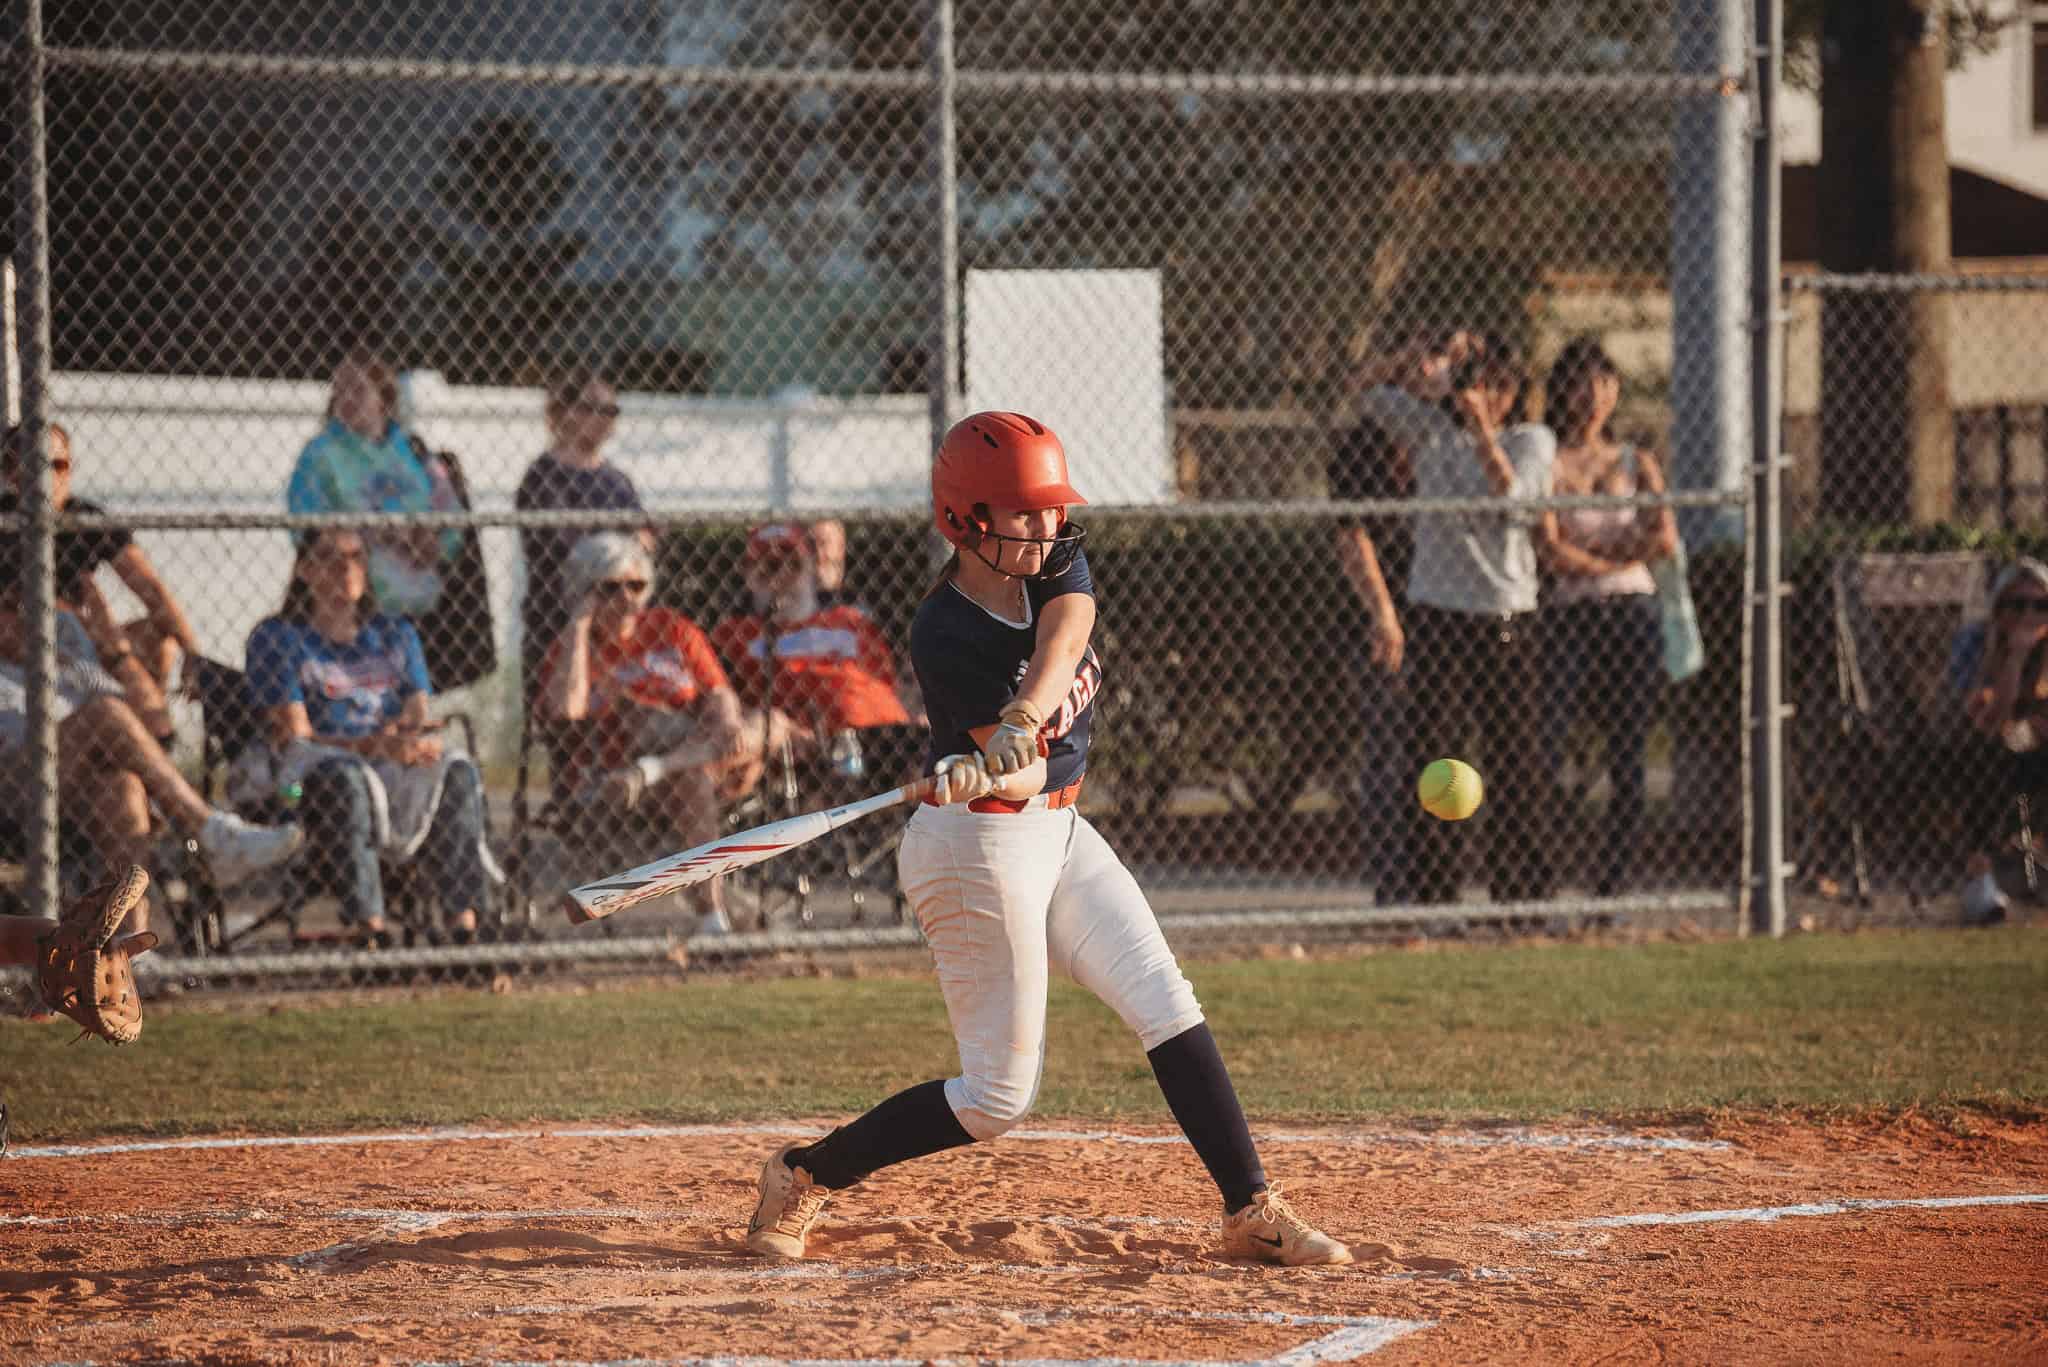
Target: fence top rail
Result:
[1316, 509]
[267, 67]
[1891, 283]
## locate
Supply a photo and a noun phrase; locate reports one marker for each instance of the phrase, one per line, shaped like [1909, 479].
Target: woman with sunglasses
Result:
[582, 411]
[154, 642]
[2003, 667]
[343, 690]
[1008, 880]
[649, 721]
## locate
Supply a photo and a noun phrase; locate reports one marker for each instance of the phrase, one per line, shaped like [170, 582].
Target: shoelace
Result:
[797, 1216]
[1277, 1212]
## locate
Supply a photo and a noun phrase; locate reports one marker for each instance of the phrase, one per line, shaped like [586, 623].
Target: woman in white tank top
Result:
[1605, 643]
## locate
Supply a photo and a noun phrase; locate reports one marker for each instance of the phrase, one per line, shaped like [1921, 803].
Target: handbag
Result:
[1685, 654]
[456, 633]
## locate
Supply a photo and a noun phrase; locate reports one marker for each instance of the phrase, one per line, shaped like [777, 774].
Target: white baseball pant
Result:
[1003, 896]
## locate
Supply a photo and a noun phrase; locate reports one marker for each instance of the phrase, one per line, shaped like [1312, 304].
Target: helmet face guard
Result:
[1002, 460]
[1060, 548]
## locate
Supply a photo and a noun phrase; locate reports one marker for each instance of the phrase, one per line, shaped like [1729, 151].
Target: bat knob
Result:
[577, 913]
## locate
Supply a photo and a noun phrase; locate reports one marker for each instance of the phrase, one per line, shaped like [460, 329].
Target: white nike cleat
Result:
[236, 849]
[1268, 1231]
[789, 1205]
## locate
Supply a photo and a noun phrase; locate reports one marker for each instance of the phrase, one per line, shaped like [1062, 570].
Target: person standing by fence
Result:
[1472, 606]
[1603, 630]
[582, 411]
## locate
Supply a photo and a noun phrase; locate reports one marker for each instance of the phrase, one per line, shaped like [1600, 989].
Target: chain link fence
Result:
[1397, 347]
[1914, 415]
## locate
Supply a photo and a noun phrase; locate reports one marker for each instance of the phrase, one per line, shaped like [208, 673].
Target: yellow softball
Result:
[1450, 790]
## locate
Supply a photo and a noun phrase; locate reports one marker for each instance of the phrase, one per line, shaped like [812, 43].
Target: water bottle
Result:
[844, 755]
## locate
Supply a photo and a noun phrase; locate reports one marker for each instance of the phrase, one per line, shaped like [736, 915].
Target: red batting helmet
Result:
[997, 460]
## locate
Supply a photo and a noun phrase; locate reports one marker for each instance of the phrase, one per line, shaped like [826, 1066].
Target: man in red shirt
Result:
[807, 672]
[648, 721]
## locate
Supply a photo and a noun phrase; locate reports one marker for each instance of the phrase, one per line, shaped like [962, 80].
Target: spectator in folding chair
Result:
[816, 673]
[110, 768]
[163, 634]
[343, 690]
[2001, 668]
[363, 461]
[646, 721]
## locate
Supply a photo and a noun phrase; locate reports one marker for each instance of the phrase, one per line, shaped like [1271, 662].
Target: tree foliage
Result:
[504, 182]
[1969, 28]
[1288, 228]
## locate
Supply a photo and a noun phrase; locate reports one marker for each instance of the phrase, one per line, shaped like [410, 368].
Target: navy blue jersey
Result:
[969, 663]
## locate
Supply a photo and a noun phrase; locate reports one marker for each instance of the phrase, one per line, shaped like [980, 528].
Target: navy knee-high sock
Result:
[910, 1124]
[1197, 1085]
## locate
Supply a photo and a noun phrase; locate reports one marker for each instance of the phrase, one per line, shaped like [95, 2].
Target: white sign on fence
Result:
[1081, 351]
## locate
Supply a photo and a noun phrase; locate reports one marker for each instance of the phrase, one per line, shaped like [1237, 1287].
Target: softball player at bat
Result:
[1008, 880]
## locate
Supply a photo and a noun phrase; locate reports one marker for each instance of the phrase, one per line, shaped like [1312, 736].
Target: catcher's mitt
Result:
[83, 971]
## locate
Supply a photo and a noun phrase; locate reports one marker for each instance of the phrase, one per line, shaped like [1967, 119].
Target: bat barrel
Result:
[717, 857]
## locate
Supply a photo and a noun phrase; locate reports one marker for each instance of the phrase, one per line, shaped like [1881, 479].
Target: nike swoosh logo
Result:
[1262, 1239]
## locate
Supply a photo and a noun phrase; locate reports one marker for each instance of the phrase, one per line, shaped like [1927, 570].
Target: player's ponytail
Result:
[947, 575]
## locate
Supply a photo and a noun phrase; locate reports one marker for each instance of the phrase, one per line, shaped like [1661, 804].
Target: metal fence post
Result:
[10, 371]
[1766, 900]
[2002, 417]
[38, 566]
[1708, 434]
[943, 361]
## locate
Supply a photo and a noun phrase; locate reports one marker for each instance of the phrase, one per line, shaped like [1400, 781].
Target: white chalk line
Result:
[1848, 1205]
[1350, 1337]
[413, 1221]
[1516, 1138]
[402, 1221]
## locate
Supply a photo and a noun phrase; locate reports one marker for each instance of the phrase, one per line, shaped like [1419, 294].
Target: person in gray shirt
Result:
[1472, 606]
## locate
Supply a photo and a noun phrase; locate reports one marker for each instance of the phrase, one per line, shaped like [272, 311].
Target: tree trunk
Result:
[1887, 436]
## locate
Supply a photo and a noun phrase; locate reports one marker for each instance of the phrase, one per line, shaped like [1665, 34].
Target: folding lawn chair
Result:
[1898, 732]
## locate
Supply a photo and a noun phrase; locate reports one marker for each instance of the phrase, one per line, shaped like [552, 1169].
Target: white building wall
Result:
[155, 443]
[1989, 116]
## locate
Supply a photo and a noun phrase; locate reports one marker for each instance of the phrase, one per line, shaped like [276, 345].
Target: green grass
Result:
[1935, 1020]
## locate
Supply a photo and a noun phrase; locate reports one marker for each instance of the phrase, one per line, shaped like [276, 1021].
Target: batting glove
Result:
[961, 779]
[1015, 745]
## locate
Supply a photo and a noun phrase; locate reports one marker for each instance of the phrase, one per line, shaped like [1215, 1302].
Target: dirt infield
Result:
[1751, 1240]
